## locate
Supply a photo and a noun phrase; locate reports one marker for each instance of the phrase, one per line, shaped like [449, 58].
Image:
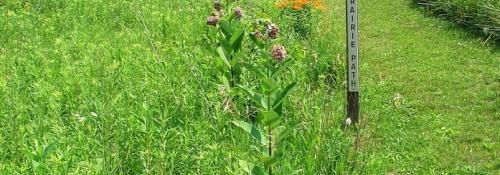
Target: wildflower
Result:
[300, 4]
[318, 5]
[348, 121]
[81, 119]
[278, 52]
[212, 20]
[272, 31]
[282, 4]
[257, 34]
[217, 5]
[239, 12]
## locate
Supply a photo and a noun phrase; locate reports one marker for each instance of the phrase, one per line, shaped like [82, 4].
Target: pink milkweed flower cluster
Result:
[238, 11]
[272, 31]
[212, 20]
[279, 53]
[265, 30]
[258, 34]
[217, 14]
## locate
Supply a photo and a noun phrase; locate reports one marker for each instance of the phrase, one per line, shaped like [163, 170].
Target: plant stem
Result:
[270, 107]
[231, 70]
[270, 149]
[232, 77]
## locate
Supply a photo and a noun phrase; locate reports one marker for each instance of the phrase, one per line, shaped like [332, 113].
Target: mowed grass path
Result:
[430, 94]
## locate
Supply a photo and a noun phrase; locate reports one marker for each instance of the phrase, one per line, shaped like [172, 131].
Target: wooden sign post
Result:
[352, 61]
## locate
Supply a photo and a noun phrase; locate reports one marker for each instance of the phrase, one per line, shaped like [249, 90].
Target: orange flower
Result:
[300, 4]
[282, 4]
[297, 7]
[318, 5]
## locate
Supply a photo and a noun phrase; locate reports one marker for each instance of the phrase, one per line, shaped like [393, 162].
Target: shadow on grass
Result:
[470, 32]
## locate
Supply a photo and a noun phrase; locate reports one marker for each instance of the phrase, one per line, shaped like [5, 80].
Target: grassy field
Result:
[129, 87]
[431, 94]
[481, 16]
[122, 87]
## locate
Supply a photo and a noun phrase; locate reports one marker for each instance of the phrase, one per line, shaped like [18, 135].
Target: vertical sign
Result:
[352, 60]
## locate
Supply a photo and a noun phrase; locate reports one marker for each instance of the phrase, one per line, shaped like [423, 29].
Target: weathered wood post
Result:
[352, 61]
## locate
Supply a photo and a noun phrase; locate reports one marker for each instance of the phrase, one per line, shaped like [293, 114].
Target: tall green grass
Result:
[480, 15]
[128, 87]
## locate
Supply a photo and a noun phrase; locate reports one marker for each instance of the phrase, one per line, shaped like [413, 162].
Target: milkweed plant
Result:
[230, 36]
[268, 128]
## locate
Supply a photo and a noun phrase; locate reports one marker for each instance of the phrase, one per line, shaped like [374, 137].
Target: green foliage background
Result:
[128, 87]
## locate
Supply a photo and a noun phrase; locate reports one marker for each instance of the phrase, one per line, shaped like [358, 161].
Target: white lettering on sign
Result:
[352, 46]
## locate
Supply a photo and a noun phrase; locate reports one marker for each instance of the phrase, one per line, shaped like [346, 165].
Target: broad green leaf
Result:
[237, 39]
[234, 61]
[283, 94]
[275, 91]
[238, 44]
[257, 97]
[250, 168]
[247, 91]
[223, 55]
[268, 118]
[270, 160]
[48, 150]
[268, 84]
[225, 43]
[256, 170]
[252, 130]
[235, 35]
[281, 133]
[225, 82]
[279, 109]
[225, 28]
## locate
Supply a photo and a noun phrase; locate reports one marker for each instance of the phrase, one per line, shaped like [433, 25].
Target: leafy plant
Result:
[301, 13]
[230, 36]
[269, 132]
[268, 96]
[40, 156]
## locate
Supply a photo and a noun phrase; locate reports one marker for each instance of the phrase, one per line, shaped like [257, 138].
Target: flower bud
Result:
[212, 20]
[278, 52]
[257, 34]
[272, 31]
[239, 12]
[217, 5]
